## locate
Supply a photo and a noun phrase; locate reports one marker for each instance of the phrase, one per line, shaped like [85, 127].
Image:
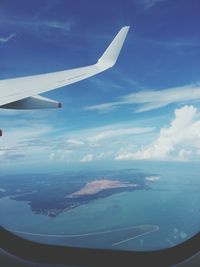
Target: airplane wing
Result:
[22, 93]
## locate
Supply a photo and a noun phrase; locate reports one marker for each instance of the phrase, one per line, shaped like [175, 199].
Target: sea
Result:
[171, 208]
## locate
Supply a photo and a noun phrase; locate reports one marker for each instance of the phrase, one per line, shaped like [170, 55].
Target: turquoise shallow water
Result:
[173, 205]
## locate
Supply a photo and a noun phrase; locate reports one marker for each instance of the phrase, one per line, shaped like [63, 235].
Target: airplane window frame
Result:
[74, 256]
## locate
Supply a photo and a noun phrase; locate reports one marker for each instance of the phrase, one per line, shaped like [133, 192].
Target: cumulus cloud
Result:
[149, 100]
[101, 142]
[87, 158]
[179, 141]
[39, 141]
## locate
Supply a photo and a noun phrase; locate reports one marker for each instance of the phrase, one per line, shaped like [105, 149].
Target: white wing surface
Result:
[22, 93]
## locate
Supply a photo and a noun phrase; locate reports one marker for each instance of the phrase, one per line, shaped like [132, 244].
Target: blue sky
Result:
[145, 108]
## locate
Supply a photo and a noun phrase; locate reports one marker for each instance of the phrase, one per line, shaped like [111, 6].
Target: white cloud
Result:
[87, 158]
[7, 38]
[117, 132]
[60, 155]
[149, 3]
[104, 155]
[24, 134]
[24, 141]
[184, 154]
[2, 153]
[52, 156]
[152, 178]
[179, 141]
[75, 142]
[63, 26]
[102, 142]
[32, 139]
[149, 100]
[37, 26]
[178, 43]
[94, 136]
[105, 107]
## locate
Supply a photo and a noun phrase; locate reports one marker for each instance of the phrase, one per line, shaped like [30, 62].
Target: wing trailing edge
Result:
[33, 102]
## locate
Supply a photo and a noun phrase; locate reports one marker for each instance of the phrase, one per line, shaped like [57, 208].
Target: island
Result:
[90, 191]
[96, 186]
[52, 194]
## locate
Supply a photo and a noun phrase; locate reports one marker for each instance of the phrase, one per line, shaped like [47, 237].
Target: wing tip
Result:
[110, 56]
[126, 27]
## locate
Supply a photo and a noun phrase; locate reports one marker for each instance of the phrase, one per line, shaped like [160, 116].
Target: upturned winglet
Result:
[109, 57]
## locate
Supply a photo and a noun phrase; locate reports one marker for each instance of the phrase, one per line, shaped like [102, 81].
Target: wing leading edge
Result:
[16, 89]
[23, 92]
